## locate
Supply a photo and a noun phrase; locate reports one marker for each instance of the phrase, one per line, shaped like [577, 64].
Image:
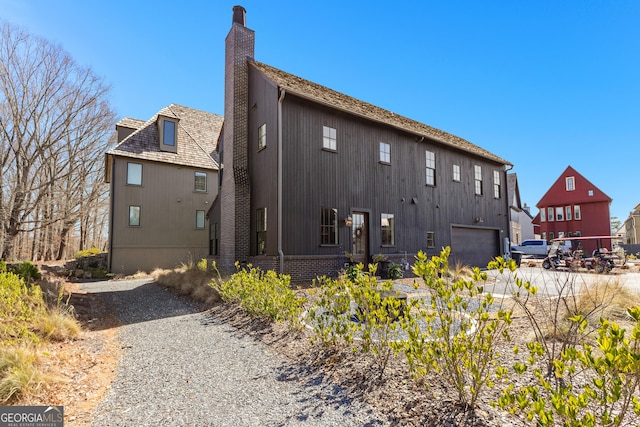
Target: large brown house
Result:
[574, 207]
[309, 174]
[164, 177]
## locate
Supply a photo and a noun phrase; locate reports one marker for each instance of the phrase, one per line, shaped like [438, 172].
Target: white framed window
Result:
[385, 152]
[544, 235]
[261, 231]
[576, 213]
[134, 174]
[590, 193]
[477, 174]
[134, 216]
[430, 158]
[543, 215]
[329, 140]
[567, 213]
[456, 173]
[200, 182]
[560, 213]
[550, 214]
[570, 182]
[199, 219]
[496, 184]
[387, 229]
[262, 136]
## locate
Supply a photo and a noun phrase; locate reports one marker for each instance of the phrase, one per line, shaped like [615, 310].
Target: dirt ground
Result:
[84, 367]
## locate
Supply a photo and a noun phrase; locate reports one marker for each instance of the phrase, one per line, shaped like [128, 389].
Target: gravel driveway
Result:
[182, 367]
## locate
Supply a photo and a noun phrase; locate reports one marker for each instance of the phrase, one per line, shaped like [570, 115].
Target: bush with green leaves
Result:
[20, 306]
[330, 315]
[87, 253]
[26, 270]
[456, 330]
[599, 384]
[395, 271]
[261, 293]
[362, 312]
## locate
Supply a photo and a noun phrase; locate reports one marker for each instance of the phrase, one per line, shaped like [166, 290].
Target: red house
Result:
[574, 207]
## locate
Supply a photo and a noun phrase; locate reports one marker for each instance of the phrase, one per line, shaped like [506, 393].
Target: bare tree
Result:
[54, 126]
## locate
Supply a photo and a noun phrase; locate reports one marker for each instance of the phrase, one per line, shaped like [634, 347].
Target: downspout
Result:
[506, 240]
[112, 166]
[280, 252]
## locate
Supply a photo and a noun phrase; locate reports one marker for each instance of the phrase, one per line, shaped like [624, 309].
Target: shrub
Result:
[20, 305]
[330, 315]
[87, 253]
[27, 271]
[612, 365]
[261, 294]
[361, 312]
[395, 271]
[456, 330]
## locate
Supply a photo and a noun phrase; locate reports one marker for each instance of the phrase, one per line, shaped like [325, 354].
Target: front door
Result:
[360, 237]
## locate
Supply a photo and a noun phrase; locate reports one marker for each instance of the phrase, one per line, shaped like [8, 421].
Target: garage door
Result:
[474, 246]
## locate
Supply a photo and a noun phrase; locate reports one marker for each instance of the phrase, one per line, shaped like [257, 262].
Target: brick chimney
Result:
[235, 193]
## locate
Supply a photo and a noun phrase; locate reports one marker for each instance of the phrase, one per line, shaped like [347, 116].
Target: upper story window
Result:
[329, 141]
[168, 131]
[388, 226]
[559, 214]
[385, 152]
[496, 184]
[134, 174]
[590, 193]
[430, 158]
[261, 231]
[199, 219]
[576, 212]
[200, 182]
[262, 136]
[329, 226]
[477, 174]
[543, 215]
[456, 173]
[570, 183]
[550, 214]
[567, 212]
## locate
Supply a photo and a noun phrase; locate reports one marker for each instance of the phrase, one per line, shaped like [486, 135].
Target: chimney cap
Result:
[239, 15]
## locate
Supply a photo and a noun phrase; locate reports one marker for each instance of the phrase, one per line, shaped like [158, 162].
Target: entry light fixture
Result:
[348, 221]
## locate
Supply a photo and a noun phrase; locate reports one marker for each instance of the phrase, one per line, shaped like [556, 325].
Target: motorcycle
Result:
[556, 258]
[601, 261]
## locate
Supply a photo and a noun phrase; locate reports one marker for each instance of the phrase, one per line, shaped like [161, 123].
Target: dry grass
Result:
[21, 373]
[189, 280]
[607, 298]
[31, 318]
[57, 325]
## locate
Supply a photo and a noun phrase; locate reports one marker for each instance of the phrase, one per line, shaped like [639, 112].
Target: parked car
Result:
[538, 247]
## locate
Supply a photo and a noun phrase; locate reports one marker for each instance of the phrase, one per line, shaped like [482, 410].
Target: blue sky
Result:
[543, 84]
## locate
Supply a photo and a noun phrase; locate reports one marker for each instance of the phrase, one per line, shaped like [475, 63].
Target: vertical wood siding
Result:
[352, 178]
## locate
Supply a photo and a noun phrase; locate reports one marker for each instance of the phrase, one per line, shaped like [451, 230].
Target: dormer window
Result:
[168, 131]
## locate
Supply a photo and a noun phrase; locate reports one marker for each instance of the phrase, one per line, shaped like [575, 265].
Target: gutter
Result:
[280, 252]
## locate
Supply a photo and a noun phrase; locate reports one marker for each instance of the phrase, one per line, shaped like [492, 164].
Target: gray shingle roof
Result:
[130, 123]
[198, 133]
[324, 95]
